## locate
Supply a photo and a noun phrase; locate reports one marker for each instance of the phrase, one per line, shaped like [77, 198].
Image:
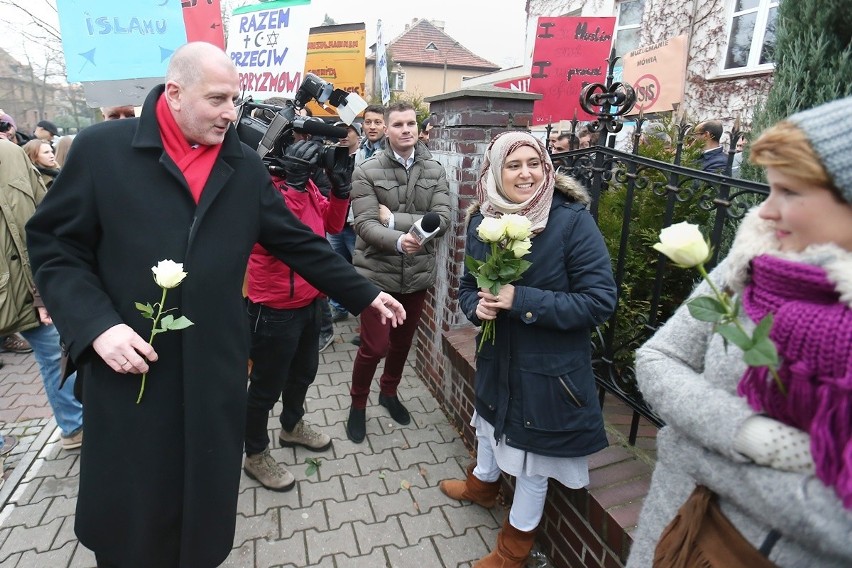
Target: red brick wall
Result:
[578, 529]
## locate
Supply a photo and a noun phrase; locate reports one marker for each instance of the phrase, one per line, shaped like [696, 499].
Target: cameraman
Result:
[285, 313]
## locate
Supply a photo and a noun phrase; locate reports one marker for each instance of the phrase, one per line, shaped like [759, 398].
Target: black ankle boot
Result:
[397, 411]
[356, 427]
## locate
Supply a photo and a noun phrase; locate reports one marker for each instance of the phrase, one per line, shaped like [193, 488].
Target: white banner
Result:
[382, 65]
[268, 43]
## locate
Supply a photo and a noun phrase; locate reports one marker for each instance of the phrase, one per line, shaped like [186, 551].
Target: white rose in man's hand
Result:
[491, 230]
[684, 244]
[168, 273]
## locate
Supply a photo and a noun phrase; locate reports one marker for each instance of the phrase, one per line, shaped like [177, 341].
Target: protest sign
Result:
[336, 54]
[657, 73]
[268, 43]
[569, 53]
[203, 21]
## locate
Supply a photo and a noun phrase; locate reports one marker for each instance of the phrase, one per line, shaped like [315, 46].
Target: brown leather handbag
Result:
[701, 536]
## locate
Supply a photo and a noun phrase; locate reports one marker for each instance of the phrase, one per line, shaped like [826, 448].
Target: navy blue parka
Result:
[535, 383]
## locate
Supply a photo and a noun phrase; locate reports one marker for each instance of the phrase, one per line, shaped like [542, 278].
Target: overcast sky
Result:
[491, 29]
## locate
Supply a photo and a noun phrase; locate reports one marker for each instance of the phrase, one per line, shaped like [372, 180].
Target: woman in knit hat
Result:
[537, 412]
[748, 468]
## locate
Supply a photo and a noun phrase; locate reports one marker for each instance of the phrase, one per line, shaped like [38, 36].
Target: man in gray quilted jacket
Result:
[391, 191]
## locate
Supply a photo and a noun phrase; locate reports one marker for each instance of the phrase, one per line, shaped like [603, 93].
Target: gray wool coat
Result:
[690, 379]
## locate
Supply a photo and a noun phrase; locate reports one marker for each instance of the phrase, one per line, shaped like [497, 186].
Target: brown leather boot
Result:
[512, 550]
[471, 489]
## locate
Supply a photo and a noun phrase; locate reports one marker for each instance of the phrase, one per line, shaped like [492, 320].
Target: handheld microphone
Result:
[425, 228]
[319, 128]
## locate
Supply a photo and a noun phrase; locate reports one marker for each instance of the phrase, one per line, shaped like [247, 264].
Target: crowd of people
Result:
[275, 251]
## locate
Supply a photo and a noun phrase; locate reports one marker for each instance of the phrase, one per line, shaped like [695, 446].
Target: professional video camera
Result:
[270, 132]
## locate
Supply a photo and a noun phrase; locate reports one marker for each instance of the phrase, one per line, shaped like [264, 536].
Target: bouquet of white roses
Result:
[686, 247]
[168, 274]
[509, 239]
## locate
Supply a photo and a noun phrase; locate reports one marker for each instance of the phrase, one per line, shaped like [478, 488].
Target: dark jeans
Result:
[379, 341]
[343, 243]
[284, 364]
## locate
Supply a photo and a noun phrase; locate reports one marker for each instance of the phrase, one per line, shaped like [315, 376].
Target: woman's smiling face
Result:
[522, 173]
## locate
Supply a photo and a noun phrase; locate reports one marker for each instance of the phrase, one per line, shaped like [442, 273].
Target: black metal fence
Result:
[633, 198]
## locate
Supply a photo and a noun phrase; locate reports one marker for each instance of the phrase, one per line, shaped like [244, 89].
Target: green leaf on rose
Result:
[705, 308]
[146, 309]
[763, 328]
[507, 271]
[472, 264]
[484, 282]
[166, 322]
[762, 354]
[736, 336]
[182, 322]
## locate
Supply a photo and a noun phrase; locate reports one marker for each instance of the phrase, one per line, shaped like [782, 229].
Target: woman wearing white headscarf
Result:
[537, 412]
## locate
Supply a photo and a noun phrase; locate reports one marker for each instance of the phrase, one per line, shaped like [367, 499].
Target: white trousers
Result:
[530, 490]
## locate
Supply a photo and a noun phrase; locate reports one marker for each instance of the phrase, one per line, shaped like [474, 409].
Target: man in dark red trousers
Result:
[159, 479]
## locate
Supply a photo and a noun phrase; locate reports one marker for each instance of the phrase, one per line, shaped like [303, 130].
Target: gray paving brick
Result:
[298, 520]
[328, 367]
[54, 557]
[471, 516]
[320, 403]
[265, 499]
[435, 417]
[286, 551]
[422, 454]
[428, 433]
[375, 559]
[257, 526]
[52, 467]
[446, 450]
[60, 507]
[313, 491]
[326, 562]
[241, 556]
[489, 535]
[329, 543]
[398, 503]
[346, 465]
[425, 525]
[411, 475]
[462, 548]
[83, 558]
[337, 417]
[448, 432]
[376, 535]
[331, 391]
[353, 486]
[65, 534]
[37, 538]
[357, 509]
[28, 515]
[11, 561]
[25, 493]
[422, 555]
[382, 461]
[382, 442]
[245, 502]
[450, 469]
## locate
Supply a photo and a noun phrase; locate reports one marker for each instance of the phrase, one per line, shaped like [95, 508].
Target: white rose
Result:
[491, 230]
[517, 226]
[521, 248]
[684, 245]
[168, 273]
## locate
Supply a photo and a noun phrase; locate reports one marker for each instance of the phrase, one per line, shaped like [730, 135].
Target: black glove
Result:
[299, 161]
[340, 176]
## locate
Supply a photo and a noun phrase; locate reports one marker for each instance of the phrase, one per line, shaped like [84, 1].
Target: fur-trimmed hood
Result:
[756, 237]
[566, 185]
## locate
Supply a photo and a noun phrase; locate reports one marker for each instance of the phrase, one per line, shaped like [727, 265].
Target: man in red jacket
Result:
[285, 313]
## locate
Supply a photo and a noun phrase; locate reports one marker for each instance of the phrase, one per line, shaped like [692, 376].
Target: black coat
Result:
[535, 383]
[159, 480]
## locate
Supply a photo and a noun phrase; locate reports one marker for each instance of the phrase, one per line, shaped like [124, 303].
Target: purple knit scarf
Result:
[812, 330]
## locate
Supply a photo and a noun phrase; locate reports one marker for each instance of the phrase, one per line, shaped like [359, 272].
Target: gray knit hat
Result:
[828, 128]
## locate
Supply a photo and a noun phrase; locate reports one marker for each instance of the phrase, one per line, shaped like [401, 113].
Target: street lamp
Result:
[433, 47]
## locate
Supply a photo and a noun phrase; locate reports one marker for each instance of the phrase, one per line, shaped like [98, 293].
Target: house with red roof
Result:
[424, 60]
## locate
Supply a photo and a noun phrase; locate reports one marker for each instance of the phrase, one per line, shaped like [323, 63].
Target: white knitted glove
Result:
[774, 444]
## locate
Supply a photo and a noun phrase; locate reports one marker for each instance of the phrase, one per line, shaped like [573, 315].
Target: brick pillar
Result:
[467, 121]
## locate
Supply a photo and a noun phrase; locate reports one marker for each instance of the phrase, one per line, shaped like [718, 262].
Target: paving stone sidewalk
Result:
[375, 504]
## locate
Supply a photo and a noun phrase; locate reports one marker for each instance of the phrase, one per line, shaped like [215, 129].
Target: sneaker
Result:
[338, 315]
[15, 344]
[397, 411]
[73, 441]
[356, 426]
[266, 471]
[305, 436]
[325, 340]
